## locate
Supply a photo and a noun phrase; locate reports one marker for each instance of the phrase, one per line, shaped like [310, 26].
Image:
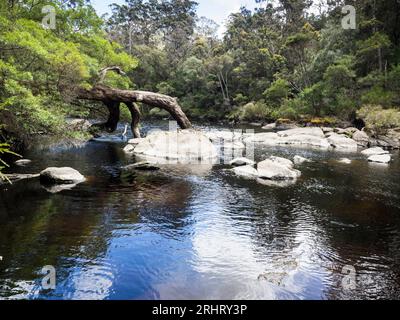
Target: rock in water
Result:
[374, 151]
[246, 171]
[274, 170]
[282, 161]
[141, 166]
[270, 127]
[342, 143]
[241, 162]
[23, 162]
[300, 160]
[61, 176]
[384, 158]
[345, 161]
[182, 146]
[312, 131]
[130, 148]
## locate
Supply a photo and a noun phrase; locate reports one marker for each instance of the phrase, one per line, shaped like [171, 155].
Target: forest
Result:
[288, 60]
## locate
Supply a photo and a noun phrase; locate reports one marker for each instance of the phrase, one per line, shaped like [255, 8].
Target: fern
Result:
[5, 149]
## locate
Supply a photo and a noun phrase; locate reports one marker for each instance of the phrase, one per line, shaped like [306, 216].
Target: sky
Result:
[218, 10]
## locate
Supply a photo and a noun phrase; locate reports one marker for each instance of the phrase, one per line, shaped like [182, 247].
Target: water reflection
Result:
[180, 234]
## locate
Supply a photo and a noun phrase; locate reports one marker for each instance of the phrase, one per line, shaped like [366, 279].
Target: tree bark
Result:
[113, 97]
[135, 115]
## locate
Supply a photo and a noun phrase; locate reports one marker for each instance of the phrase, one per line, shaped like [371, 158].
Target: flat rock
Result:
[310, 131]
[268, 138]
[374, 151]
[241, 162]
[224, 135]
[182, 146]
[384, 158]
[141, 166]
[304, 140]
[61, 176]
[135, 141]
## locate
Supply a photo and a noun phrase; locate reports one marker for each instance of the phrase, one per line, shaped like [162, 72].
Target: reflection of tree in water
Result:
[73, 228]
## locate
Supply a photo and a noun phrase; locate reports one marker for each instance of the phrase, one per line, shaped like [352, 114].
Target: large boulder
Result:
[275, 169]
[383, 158]
[342, 143]
[182, 146]
[361, 138]
[374, 151]
[310, 131]
[61, 176]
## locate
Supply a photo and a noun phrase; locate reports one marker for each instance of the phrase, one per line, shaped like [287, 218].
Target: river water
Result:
[335, 234]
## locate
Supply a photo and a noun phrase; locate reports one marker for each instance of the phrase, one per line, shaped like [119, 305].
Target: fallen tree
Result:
[112, 98]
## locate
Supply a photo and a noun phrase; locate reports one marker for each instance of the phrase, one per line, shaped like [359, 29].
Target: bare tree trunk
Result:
[135, 115]
[113, 97]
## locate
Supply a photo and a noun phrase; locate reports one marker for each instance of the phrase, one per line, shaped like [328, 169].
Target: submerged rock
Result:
[61, 176]
[384, 158]
[374, 151]
[141, 166]
[241, 162]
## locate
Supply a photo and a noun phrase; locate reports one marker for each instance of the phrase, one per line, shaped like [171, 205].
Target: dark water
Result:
[202, 235]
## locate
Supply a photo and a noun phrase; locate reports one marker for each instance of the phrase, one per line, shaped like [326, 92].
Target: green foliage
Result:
[5, 149]
[252, 111]
[277, 92]
[379, 119]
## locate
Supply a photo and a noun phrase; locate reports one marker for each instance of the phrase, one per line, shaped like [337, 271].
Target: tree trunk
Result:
[113, 97]
[135, 115]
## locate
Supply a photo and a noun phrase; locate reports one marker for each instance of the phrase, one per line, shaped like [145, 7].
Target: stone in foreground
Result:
[241, 162]
[61, 176]
[384, 158]
[374, 151]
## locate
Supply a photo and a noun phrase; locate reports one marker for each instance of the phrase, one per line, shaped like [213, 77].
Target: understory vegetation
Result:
[286, 60]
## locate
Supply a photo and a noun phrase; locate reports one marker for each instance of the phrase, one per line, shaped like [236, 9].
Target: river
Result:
[335, 234]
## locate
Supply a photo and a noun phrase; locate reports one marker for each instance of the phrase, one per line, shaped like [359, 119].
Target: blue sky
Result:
[218, 10]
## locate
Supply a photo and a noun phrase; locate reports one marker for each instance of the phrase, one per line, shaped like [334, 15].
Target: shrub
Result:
[379, 119]
[255, 111]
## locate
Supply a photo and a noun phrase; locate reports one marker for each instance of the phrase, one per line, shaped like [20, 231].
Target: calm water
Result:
[202, 235]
